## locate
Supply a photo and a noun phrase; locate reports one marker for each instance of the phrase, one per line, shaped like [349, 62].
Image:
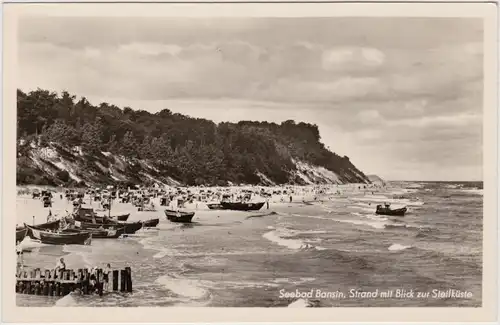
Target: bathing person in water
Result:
[105, 276]
[19, 252]
[61, 265]
[93, 279]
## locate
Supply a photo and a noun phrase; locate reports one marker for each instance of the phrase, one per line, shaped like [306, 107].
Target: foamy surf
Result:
[66, 301]
[77, 249]
[82, 251]
[301, 303]
[398, 247]
[383, 199]
[373, 224]
[473, 191]
[168, 226]
[29, 243]
[182, 287]
[294, 281]
[160, 254]
[162, 251]
[370, 216]
[295, 244]
[280, 238]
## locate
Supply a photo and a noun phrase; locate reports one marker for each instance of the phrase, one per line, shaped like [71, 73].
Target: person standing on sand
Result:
[267, 203]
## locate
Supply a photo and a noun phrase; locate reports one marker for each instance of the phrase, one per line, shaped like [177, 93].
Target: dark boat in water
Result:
[214, 206]
[387, 211]
[21, 233]
[179, 216]
[129, 227]
[151, 223]
[242, 206]
[60, 238]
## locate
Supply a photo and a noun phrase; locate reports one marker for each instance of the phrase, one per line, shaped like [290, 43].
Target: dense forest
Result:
[190, 150]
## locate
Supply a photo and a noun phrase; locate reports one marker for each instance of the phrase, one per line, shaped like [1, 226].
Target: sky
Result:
[401, 97]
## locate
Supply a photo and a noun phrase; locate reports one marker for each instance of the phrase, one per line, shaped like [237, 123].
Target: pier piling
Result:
[60, 283]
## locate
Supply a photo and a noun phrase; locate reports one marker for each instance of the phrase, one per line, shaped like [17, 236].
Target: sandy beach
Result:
[332, 242]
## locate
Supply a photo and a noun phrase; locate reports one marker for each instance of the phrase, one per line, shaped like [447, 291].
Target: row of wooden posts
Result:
[62, 282]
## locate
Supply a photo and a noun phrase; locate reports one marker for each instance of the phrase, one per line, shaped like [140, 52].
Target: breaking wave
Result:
[183, 287]
[398, 247]
[282, 236]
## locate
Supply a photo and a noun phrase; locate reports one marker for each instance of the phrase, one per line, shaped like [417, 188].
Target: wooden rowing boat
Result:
[52, 225]
[387, 211]
[179, 216]
[99, 233]
[151, 223]
[20, 234]
[129, 227]
[60, 238]
[214, 206]
[242, 206]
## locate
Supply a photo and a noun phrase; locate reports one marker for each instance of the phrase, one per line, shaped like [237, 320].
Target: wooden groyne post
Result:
[62, 282]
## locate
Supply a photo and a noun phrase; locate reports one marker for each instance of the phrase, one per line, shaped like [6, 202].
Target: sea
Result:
[331, 252]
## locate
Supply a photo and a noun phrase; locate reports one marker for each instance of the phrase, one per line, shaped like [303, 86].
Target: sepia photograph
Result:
[258, 161]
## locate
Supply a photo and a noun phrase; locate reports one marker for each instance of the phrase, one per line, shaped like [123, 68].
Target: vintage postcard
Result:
[249, 162]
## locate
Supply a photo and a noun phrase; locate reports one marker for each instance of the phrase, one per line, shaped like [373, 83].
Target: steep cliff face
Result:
[54, 164]
[63, 142]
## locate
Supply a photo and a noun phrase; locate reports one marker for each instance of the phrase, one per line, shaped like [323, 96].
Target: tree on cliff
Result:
[191, 150]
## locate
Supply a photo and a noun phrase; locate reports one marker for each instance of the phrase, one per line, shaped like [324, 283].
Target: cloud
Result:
[149, 49]
[369, 116]
[336, 58]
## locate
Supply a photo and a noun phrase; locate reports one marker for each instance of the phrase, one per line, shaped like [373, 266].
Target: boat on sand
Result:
[60, 238]
[129, 227]
[151, 223]
[51, 225]
[179, 216]
[99, 233]
[21, 233]
[214, 206]
[242, 206]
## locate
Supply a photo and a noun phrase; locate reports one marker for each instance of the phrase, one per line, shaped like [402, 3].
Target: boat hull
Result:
[20, 234]
[52, 225]
[100, 234]
[391, 212]
[122, 217]
[179, 216]
[151, 223]
[241, 206]
[103, 219]
[214, 206]
[129, 228]
[61, 238]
